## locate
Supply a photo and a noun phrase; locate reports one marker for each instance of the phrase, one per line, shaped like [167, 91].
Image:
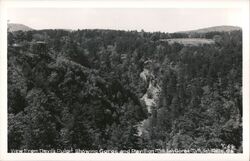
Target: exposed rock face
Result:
[144, 74]
[151, 96]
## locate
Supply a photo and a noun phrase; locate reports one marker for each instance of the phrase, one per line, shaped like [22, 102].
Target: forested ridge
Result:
[84, 89]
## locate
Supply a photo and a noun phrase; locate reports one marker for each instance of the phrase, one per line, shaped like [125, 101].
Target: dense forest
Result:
[118, 90]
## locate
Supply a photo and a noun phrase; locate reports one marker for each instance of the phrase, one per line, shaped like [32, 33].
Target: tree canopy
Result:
[82, 89]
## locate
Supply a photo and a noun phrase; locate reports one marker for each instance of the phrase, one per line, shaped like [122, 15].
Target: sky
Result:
[164, 20]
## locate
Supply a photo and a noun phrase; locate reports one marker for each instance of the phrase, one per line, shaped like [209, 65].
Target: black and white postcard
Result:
[124, 80]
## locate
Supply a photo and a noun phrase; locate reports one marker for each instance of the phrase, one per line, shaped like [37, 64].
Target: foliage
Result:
[82, 89]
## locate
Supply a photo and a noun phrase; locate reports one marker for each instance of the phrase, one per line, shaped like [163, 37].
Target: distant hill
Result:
[195, 40]
[18, 27]
[213, 29]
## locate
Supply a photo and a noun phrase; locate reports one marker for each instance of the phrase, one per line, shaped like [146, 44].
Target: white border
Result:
[4, 4]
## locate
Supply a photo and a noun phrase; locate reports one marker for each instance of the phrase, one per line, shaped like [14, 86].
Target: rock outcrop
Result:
[152, 94]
